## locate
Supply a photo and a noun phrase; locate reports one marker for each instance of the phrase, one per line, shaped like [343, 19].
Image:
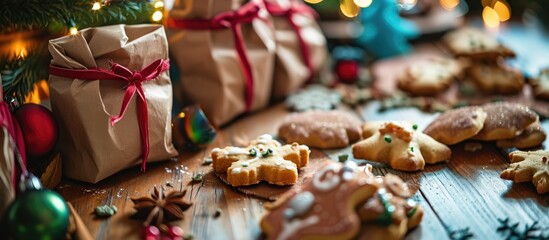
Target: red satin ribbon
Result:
[232, 19]
[295, 8]
[135, 85]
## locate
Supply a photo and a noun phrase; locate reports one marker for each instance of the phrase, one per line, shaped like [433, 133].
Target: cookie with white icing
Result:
[505, 121]
[399, 145]
[431, 76]
[474, 43]
[321, 129]
[540, 85]
[497, 78]
[263, 160]
[328, 206]
[457, 125]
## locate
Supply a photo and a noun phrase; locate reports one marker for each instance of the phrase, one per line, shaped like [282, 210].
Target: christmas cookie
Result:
[314, 97]
[431, 76]
[322, 209]
[495, 78]
[532, 136]
[529, 166]
[505, 120]
[263, 160]
[400, 145]
[389, 214]
[321, 129]
[475, 43]
[456, 125]
[540, 85]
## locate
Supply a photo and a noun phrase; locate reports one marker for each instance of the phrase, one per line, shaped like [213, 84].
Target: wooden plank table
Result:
[466, 192]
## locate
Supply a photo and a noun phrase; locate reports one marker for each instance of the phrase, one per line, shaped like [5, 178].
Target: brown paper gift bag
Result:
[213, 42]
[92, 147]
[300, 45]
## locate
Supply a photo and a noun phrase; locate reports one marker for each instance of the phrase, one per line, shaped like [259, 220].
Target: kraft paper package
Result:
[300, 45]
[93, 145]
[213, 60]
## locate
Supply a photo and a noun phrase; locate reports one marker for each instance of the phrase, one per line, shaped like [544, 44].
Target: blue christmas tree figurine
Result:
[385, 33]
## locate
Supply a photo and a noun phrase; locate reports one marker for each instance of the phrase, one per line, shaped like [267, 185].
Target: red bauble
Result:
[347, 71]
[38, 127]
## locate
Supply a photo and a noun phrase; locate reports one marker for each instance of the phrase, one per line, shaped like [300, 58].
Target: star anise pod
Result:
[161, 207]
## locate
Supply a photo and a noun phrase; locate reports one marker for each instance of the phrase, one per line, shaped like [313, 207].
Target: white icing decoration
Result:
[299, 205]
[290, 167]
[329, 182]
[349, 170]
[291, 227]
[236, 170]
[215, 150]
[236, 151]
[264, 139]
[278, 163]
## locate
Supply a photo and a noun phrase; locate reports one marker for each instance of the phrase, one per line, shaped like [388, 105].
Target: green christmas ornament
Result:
[37, 214]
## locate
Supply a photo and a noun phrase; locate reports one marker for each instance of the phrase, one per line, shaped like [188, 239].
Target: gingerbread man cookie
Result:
[529, 166]
[322, 209]
[400, 145]
[263, 160]
[389, 214]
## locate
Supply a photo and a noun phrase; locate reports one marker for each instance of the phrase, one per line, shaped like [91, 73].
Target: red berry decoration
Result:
[347, 71]
[151, 233]
[38, 127]
[175, 233]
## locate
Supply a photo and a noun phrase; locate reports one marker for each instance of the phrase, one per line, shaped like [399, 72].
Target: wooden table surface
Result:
[466, 192]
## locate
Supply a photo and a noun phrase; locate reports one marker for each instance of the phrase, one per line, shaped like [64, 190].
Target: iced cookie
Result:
[505, 120]
[431, 76]
[321, 129]
[495, 78]
[263, 160]
[322, 209]
[529, 166]
[389, 214]
[476, 44]
[399, 145]
[532, 136]
[540, 85]
[456, 125]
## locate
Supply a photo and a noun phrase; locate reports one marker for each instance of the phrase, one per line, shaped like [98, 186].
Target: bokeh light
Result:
[157, 16]
[313, 1]
[449, 4]
[503, 10]
[363, 3]
[349, 8]
[490, 17]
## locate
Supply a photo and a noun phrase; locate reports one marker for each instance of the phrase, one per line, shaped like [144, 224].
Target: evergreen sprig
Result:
[18, 15]
[20, 74]
[511, 231]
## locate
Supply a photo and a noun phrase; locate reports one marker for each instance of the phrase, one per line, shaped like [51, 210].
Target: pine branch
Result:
[511, 231]
[20, 74]
[461, 234]
[17, 15]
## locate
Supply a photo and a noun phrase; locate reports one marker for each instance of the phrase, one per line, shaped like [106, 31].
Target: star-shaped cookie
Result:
[529, 166]
[400, 145]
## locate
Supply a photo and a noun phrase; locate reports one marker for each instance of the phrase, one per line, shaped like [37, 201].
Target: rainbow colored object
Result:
[191, 129]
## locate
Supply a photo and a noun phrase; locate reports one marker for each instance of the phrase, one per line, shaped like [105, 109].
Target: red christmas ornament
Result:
[38, 127]
[347, 71]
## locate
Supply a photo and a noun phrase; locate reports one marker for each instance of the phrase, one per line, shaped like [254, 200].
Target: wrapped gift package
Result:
[112, 97]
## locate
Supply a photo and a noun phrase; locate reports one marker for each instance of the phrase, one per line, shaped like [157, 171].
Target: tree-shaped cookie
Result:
[529, 166]
[263, 160]
[400, 145]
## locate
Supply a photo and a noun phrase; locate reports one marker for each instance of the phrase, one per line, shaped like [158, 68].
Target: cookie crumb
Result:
[472, 146]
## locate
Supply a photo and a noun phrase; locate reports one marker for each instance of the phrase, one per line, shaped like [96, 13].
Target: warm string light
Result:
[363, 3]
[449, 4]
[159, 9]
[96, 6]
[495, 11]
[73, 31]
[313, 1]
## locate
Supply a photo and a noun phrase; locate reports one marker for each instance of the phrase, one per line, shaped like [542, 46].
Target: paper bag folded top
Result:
[225, 80]
[92, 148]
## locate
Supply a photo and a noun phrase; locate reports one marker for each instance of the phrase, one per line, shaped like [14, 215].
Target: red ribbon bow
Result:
[232, 19]
[295, 8]
[135, 81]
